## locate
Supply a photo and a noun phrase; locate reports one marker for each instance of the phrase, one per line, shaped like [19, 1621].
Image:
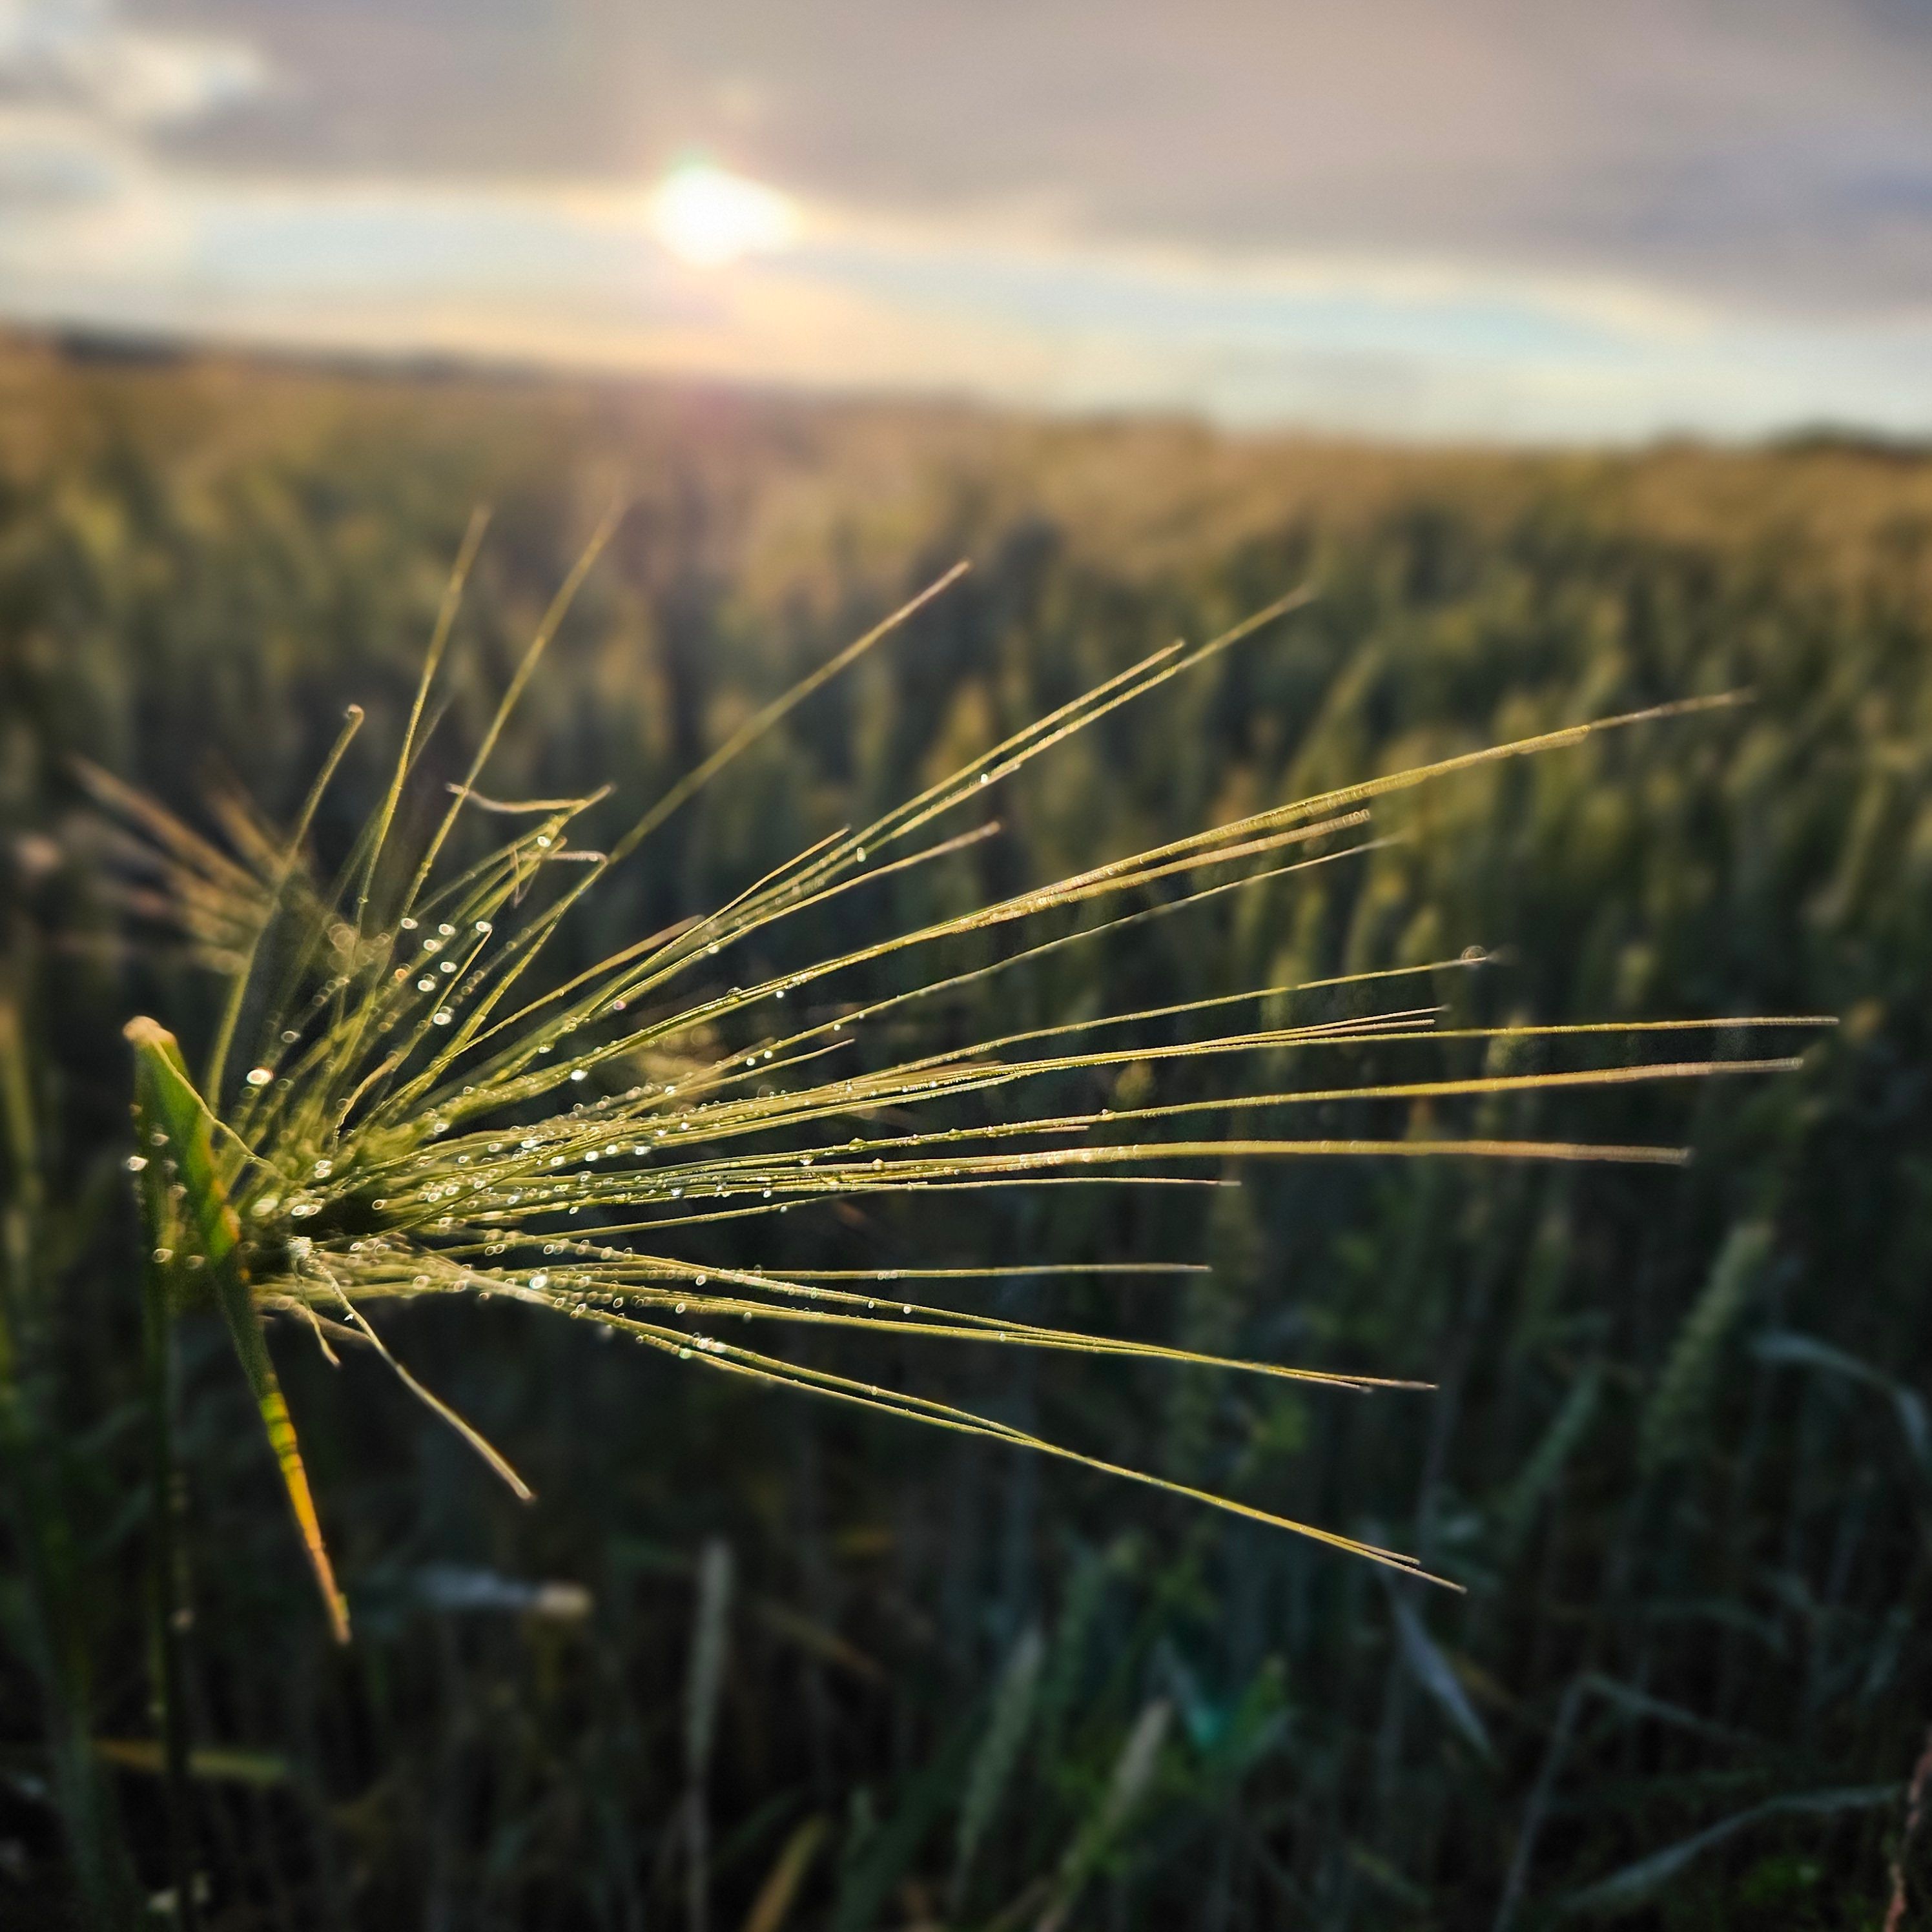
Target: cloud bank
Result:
[1477, 221]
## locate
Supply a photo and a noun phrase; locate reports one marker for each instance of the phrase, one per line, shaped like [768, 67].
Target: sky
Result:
[1436, 219]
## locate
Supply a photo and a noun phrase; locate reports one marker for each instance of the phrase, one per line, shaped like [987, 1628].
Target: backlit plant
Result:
[419, 1112]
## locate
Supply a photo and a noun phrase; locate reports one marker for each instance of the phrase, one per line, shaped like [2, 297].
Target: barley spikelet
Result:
[416, 1114]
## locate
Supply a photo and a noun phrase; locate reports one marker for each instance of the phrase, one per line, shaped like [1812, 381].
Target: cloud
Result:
[83, 98]
[79, 55]
[1047, 257]
[1774, 151]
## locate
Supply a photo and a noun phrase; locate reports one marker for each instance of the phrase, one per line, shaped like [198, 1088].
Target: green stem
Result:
[169, 1606]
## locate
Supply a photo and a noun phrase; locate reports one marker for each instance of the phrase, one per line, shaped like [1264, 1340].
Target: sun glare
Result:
[708, 218]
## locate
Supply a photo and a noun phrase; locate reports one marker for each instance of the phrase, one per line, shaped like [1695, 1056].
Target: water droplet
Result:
[164, 1255]
[135, 1163]
[442, 1018]
[259, 1076]
[539, 1280]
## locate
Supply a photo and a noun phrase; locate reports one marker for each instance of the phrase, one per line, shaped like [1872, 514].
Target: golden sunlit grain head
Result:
[708, 218]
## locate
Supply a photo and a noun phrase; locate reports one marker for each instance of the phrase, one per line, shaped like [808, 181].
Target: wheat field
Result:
[864, 1035]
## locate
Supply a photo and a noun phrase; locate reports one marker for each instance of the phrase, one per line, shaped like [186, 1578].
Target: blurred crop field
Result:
[747, 1661]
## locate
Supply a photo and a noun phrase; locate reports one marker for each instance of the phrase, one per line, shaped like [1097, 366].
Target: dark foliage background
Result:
[1678, 1454]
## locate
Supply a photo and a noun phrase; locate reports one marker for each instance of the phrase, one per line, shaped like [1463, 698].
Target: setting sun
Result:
[708, 218]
